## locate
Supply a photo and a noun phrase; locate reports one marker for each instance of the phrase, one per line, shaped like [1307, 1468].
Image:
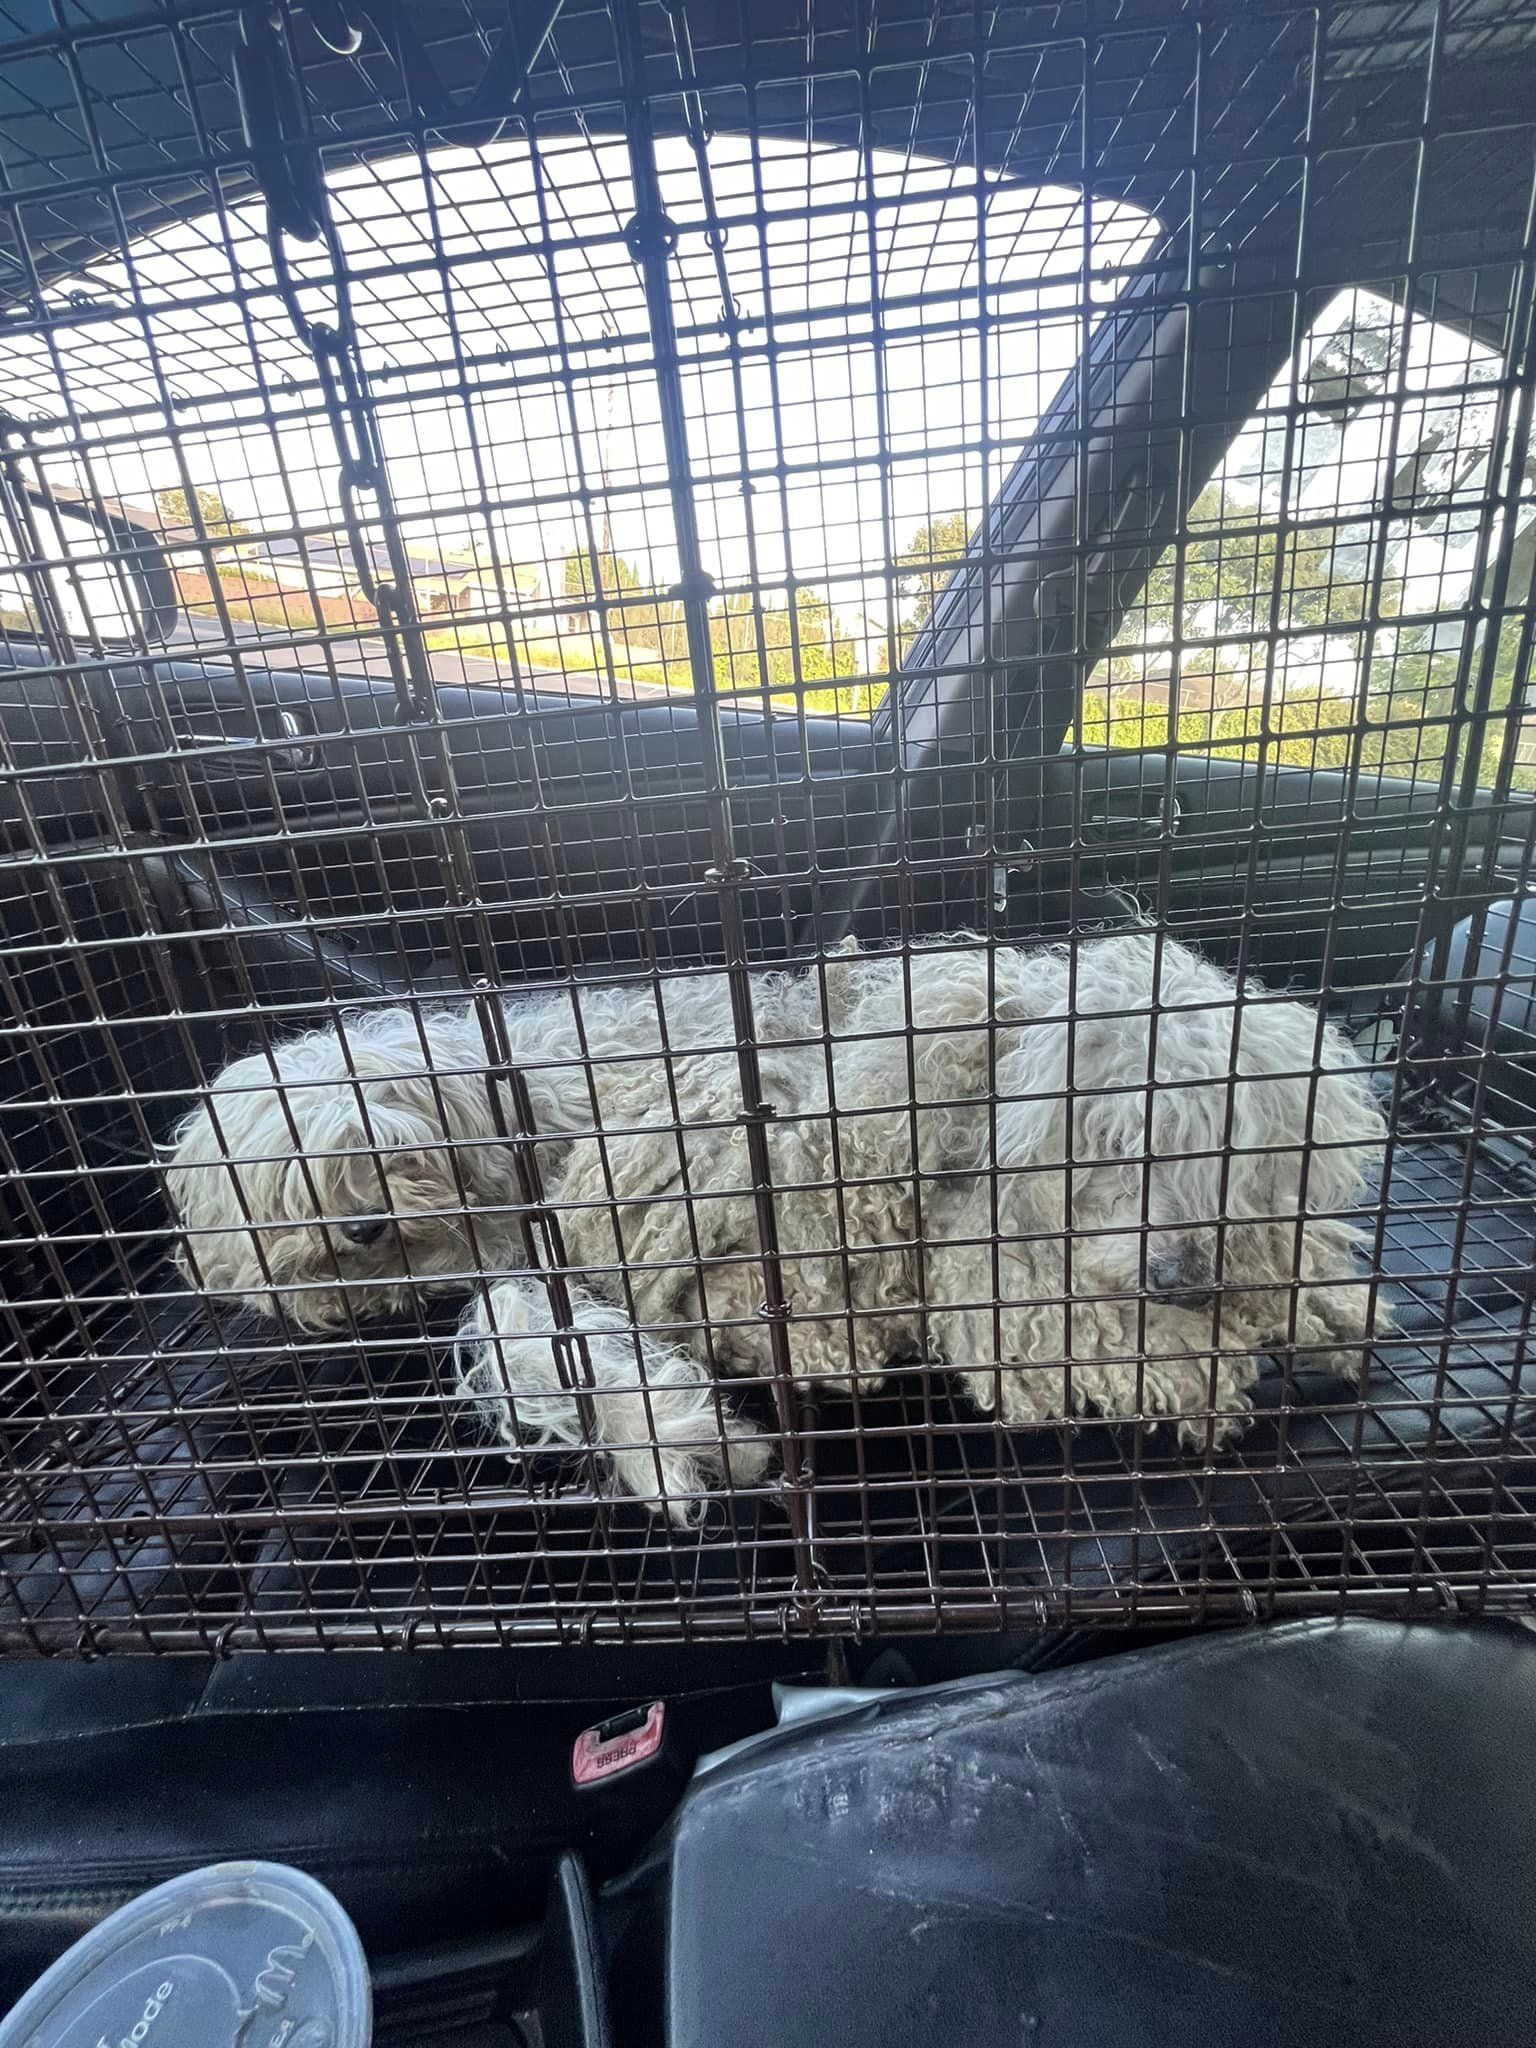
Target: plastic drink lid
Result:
[238, 1955]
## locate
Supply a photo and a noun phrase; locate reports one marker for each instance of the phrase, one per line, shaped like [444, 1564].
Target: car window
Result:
[60, 576]
[867, 342]
[1319, 611]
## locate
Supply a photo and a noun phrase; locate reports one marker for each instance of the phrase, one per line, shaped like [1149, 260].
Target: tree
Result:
[632, 630]
[666, 623]
[1357, 364]
[615, 576]
[216, 523]
[932, 552]
[1222, 587]
[800, 649]
[1209, 607]
[629, 628]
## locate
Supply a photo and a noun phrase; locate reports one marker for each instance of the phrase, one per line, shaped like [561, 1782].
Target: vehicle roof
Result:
[1236, 116]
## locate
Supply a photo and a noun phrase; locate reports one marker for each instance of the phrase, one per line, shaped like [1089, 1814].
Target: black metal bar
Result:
[651, 238]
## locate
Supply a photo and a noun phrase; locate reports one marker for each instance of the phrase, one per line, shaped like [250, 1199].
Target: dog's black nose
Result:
[1172, 1279]
[365, 1229]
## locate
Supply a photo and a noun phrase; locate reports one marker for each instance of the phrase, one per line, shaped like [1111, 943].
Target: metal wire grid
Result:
[665, 403]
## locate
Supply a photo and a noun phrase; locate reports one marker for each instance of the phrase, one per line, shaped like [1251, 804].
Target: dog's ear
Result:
[437, 1177]
[207, 1197]
[446, 1176]
[197, 1177]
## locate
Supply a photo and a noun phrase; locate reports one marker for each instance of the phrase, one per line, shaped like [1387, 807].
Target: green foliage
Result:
[615, 576]
[759, 650]
[1237, 578]
[217, 523]
[853, 700]
[803, 647]
[1229, 579]
[1401, 729]
[931, 552]
[637, 623]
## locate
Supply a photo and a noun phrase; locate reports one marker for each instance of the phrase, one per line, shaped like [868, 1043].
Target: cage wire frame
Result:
[267, 340]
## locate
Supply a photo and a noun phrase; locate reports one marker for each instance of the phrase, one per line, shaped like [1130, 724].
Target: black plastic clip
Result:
[284, 159]
[644, 232]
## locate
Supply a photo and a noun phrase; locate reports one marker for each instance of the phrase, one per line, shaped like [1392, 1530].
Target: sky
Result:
[504, 326]
[899, 330]
[1436, 395]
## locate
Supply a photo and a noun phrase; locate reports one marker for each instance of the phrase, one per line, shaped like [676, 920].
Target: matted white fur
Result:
[652, 1407]
[1124, 1093]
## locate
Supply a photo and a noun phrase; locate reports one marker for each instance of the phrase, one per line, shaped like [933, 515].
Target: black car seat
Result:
[1316, 1836]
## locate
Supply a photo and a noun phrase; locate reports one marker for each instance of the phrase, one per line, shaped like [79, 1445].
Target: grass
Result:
[571, 656]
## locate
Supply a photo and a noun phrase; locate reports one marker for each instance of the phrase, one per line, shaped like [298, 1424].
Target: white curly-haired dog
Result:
[1085, 1178]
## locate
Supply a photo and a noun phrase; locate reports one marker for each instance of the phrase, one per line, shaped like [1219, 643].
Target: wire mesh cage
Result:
[766, 804]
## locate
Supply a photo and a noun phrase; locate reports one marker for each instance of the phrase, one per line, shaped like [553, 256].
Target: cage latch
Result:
[729, 872]
[1150, 818]
[296, 758]
[1018, 861]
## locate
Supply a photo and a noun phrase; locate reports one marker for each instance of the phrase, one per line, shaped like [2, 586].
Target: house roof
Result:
[144, 516]
[331, 551]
